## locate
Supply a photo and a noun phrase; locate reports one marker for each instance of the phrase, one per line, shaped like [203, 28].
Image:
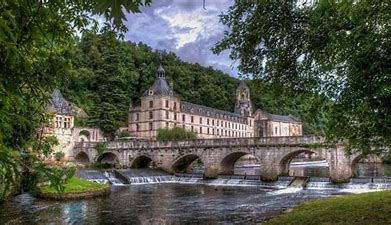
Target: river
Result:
[178, 201]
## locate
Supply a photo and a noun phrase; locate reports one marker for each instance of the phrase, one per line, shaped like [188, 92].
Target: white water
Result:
[111, 177]
[321, 163]
[288, 190]
[141, 177]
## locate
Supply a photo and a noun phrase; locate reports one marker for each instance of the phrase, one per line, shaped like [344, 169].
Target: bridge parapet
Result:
[232, 142]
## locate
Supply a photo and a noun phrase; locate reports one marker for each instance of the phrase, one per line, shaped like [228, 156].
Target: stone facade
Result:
[162, 108]
[62, 126]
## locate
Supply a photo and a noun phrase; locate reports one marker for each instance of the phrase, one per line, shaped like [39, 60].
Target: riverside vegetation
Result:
[368, 208]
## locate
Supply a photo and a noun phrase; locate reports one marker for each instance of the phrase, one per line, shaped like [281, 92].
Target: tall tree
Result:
[339, 49]
[36, 42]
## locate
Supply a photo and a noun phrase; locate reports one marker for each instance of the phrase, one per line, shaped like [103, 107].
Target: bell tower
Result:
[243, 104]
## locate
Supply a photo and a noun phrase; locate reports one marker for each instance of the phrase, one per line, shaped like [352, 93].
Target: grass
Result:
[368, 208]
[74, 185]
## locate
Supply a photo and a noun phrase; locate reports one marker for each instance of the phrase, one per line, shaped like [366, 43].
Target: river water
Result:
[155, 198]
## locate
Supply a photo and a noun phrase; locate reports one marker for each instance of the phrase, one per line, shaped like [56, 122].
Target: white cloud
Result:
[184, 27]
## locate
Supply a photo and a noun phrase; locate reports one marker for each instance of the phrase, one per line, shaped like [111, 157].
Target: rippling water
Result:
[159, 204]
[209, 202]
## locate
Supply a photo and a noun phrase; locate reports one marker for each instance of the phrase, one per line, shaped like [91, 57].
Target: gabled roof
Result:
[58, 104]
[283, 118]
[275, 117]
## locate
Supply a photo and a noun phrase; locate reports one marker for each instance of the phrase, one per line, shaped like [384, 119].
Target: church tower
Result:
[243, 104]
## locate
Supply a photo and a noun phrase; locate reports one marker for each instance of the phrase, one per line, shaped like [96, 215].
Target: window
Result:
[175, 117]
[200, 120]
[137, 117]
[213, 131]
[150, 126]
[59, 122]
[192, 128]
[207, 121]
[150, 104]
[137, 127]
[183, 118]
[167, 124]
[217, 123]
[167, 115]
[275, 130]
[192, 119]
[213, 122]
[166, 103]
[150, 115]
[200, 130]
[174, 105]
[207, 130]
[65, 122]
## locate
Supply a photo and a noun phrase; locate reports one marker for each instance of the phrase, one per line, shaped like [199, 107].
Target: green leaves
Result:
[175, 133]
[36, 43]
[339, 50]
[113, 10]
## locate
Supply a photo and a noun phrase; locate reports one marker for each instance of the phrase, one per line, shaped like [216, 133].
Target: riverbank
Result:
[367, 208]
[75, 188]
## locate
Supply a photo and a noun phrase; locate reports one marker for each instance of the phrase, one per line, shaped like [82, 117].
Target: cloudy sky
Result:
[185, 28]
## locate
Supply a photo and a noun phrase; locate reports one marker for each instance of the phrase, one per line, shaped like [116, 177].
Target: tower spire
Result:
[161, 73]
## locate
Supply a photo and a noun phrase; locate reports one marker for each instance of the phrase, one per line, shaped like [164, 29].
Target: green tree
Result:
[338, 49]
[36, 44]
[175, 133]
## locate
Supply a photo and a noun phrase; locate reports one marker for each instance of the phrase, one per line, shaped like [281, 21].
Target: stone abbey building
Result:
[161, 108]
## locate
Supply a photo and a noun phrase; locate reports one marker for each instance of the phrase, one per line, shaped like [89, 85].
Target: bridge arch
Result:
[108, 157]
[357, 158]
[227, 165]
[142, 161]
[182, 163]
[287, 158]
[82, 157]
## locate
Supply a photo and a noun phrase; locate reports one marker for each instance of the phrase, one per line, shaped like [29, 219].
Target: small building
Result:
[271, 125]
[62, 126]
[161, 107]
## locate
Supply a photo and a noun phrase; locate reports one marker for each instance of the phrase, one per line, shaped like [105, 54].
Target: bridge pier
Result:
[269, 172]
[211, 171]
[340, 166]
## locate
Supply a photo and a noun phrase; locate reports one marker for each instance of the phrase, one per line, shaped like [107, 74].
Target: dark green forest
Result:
[109, 73]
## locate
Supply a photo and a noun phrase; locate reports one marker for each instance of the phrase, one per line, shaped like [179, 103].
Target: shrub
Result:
[175, 133]
[100, 148]
[59, 155]
[123, 134]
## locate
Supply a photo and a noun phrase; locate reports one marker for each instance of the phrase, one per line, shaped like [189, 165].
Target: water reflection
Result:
[158, 204]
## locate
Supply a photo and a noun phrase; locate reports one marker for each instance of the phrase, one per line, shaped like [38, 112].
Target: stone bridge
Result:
[219, 155]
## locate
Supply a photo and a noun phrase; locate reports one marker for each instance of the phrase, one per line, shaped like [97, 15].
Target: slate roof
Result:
[242, 85]
[283, 118]
[215, 113]
[59, 105]
[160, 87]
